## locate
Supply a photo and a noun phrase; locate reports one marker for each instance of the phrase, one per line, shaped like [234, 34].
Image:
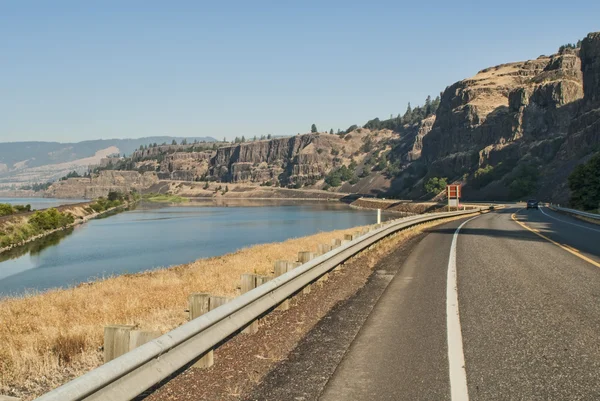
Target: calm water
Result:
[40, 203]
[153, 236]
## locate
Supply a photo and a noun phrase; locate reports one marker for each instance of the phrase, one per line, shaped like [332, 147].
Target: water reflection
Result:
[37, 246]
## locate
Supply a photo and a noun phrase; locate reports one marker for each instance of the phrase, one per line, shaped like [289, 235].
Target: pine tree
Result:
[428, 110]
[331, 131]
[313, 128]
[269, 136]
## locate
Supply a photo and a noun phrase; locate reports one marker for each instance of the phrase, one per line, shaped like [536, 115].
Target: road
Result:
[522, 322]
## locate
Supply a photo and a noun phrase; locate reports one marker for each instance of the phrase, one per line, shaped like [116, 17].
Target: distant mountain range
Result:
[26, 162]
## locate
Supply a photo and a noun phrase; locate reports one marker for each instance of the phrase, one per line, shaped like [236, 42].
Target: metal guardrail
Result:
[577, 212]
[131, 374]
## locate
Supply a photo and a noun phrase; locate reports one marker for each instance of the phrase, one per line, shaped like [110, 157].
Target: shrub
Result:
[50, 219]
[6, 209]
[524, 182]
[584, 183]
[435, 185]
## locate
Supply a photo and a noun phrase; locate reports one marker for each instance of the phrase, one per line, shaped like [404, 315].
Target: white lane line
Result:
[456, 356]
[567, 222]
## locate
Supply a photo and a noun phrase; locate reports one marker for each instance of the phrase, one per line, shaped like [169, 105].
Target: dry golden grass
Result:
[49, 338]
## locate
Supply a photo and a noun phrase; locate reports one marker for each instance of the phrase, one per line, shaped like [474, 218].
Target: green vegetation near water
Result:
[42, 221]
[7, 209]
[164, 198]
[38, 223]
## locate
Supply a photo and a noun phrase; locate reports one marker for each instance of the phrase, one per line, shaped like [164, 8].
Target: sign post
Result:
[453, 195]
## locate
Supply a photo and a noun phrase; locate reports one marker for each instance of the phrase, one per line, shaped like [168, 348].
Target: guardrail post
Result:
[336, 243]
[282, 267]
[116, 340]
[248, 284]
[324, 248]
[305, 256]
[199, 304]
[140, 337]
[378, 216]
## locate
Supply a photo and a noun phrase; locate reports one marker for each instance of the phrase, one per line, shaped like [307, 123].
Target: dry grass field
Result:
[47, 339]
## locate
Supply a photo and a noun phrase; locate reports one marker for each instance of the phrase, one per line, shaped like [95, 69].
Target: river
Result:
[154, 236]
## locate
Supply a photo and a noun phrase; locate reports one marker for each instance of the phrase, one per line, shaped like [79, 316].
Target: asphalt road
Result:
[528, 326]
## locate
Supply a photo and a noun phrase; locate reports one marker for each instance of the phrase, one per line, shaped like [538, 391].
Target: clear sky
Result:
[71, 71]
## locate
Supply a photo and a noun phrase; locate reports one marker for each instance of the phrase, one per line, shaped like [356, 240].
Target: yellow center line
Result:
[567, 248]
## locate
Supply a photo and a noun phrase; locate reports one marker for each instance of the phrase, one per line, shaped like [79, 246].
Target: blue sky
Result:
[71, 71]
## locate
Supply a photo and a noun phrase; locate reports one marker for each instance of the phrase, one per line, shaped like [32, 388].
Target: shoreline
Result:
[78, 221]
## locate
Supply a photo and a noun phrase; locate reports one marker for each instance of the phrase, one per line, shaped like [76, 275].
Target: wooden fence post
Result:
[116, 340]
[282, 267]
[305, 256]
[336, 243]
[140, 337]
[324, 248]
[248, 284]
[199, 304]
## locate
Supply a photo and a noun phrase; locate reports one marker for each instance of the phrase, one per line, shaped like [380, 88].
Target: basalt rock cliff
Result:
[516, 129]
[511, 131]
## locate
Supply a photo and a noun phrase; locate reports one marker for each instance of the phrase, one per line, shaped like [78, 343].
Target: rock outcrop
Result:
[101, 184]
[538, 114]
[295, 160]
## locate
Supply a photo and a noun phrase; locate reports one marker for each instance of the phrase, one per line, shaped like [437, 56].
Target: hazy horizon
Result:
[76, 72]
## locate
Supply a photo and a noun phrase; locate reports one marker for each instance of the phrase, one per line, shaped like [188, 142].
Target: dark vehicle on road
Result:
[532, 204]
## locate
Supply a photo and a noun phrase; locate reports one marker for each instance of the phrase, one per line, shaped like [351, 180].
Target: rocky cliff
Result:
[515, 129]
[511, 131]
[101, 184]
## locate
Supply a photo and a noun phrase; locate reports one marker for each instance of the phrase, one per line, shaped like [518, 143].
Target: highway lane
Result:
[529, 314]
[564, 229]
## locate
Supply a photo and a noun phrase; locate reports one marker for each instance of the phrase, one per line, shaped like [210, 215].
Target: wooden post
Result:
[116, 340]
[305, 256]
[336, 243]
[199, 304]
[140, 337]
[324, 248]
[248, 284]
[260, 280]
[348, 237]
[282, 267]
[378, 216]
